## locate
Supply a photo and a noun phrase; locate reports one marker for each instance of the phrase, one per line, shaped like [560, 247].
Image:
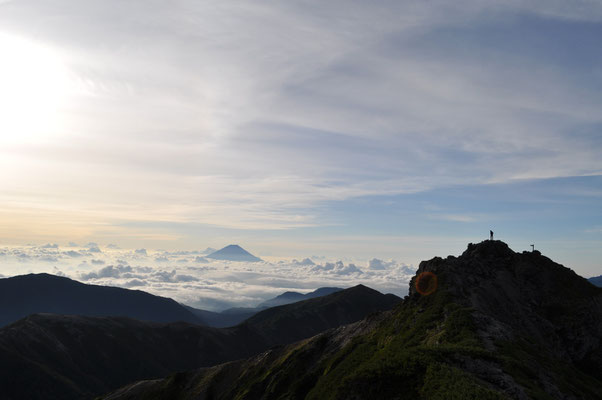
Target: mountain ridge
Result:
[69, 357]
[236, 315]
[37, 293]
[596, 280]
[489, 324]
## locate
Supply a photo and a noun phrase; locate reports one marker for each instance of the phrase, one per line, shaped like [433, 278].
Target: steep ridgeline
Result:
[47, 356]
[43, 293]
[490, 324]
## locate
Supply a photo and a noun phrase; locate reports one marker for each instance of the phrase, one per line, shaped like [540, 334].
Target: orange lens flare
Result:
[426, 283]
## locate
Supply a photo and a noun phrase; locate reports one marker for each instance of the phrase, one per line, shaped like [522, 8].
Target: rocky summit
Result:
[489, 324]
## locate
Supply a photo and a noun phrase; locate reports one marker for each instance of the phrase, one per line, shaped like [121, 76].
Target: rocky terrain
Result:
[49, 356]
[489, 324]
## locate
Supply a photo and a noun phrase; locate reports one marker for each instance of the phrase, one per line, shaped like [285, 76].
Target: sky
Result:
[349, 130]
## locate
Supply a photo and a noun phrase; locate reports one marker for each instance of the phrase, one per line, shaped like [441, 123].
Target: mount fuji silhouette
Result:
[233, 252]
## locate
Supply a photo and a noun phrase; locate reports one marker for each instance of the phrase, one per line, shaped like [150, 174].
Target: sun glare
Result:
[34, 84]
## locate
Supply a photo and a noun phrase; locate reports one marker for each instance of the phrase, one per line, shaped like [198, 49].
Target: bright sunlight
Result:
[34, 84]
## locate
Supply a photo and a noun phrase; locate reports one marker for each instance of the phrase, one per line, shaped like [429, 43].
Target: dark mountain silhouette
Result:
[490, 324]
[236, 315]
[596, 280]
[224, 318]
[43, 293]
[233, 252]
[47, 356]
[292, 297]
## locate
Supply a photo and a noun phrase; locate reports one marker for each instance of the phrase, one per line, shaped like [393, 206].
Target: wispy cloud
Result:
[214, 116]
[251, 116]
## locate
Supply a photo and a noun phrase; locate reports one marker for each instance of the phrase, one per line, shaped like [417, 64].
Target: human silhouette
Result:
[490, 235]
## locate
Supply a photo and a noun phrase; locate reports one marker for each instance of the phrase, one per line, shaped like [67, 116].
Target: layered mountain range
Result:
[596, 280]
[489, 324]
[50, 356]
[234, 316]
[23, 295]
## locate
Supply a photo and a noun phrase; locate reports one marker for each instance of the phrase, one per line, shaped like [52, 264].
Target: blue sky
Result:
[349, 129]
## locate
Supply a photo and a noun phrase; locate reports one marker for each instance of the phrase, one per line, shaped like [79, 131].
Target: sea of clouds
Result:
[191, 278]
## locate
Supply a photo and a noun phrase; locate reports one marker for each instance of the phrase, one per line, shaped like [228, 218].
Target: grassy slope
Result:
[410, 355]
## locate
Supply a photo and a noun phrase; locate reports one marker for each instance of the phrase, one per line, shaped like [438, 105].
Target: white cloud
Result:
[109, 271]
[213, 285]
[305, 261]
[338, 268]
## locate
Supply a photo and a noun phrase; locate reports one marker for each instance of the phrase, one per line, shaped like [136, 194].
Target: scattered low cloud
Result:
[133, 283]
[141, 252]
[172, 276]
[338, 268]
[305, 261]
[107, 272]
[210, 284]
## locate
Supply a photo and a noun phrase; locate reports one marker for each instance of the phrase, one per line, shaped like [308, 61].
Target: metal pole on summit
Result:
[490, 235]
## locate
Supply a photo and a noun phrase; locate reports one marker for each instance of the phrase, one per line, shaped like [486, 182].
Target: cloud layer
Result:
[193, 280]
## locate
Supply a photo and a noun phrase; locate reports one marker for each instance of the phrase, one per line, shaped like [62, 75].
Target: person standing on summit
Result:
[490, 235]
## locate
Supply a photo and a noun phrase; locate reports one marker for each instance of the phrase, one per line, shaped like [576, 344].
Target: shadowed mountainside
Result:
[234, 316]
[46, 356]
[490, 324]
[596, 280]
[44, 293]
[293, 297]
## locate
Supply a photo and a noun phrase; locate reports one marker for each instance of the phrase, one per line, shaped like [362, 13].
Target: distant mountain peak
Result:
[233, 252]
